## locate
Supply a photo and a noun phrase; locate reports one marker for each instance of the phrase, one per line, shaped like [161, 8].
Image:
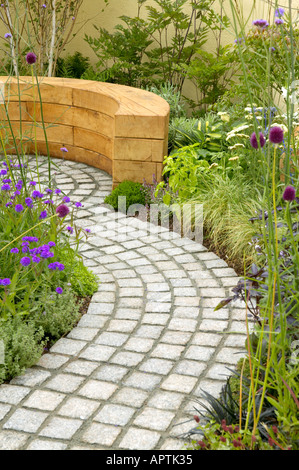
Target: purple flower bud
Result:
[276, 135]
[289, 194]
[31, 58]
[254, 142]
[62, 211]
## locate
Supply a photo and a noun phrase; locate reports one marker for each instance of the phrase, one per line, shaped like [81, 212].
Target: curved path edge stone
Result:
[132, 372]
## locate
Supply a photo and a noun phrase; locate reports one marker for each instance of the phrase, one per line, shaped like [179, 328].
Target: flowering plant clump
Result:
[30, 263]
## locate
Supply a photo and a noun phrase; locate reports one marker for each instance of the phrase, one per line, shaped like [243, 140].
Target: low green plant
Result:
[23, 344]
[56, 314]
[83, 282]
[134, 193]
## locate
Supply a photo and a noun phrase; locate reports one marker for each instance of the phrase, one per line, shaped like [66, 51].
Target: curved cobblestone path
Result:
[129, 375]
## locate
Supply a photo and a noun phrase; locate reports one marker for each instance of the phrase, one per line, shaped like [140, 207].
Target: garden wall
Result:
[119, 129]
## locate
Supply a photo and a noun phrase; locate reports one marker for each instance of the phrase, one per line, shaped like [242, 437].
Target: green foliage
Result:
[56, 314]
[134, 193]
[154, 50]
[72, 66]
[173, 97]
[84, 282]
[23, 345]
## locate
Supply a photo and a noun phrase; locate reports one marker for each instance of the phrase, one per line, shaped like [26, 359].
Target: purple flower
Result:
[30, 239]
[87, 230]
[19, 208]
[43, 215]
[254, 142]
[8, 204]
[59, 290]
[14, 250]
[64, 149]
[62, 211]
[279, 21]
[66, 199]
[289, 194]
[78, 204]
[3, 172]
[57, 191]
[49, 201]
[276, 135]
[70, 229]
[29, 202]
[48, 190]
[279, 12]
[7, 35]
[6, 187]
[5, 282]
[35, 259]
[50, 244]
[36, 194]
[25, 261]
[261, 23]
[32, 183]
[31, 58]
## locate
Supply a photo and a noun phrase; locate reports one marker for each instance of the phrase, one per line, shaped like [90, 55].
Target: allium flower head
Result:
[62, 211]
[276, 135]
[31, 58]
[254, 142]
[289, 194]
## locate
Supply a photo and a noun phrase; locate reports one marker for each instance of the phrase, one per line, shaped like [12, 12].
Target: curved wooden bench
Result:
[116, 128]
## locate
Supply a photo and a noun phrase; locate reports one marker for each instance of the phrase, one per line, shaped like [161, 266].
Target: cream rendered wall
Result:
[91, 13]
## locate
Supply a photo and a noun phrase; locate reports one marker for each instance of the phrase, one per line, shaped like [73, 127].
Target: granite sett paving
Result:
[129, 375]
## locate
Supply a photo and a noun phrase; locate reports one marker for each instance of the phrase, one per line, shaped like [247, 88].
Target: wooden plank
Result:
[93, 141]
[138, 149]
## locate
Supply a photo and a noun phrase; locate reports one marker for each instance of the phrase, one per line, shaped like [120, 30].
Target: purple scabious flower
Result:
[57, 191]
[276, 135]
[62, 211]
[31, 58]
[289, 194]
[35, 259]
[19, 208]
[3, 172]
[5, 187]
[43, 215]
[14, 250]
[5, 282]
[25, 261]
[254, 142]
[50, 244]
[59, 290]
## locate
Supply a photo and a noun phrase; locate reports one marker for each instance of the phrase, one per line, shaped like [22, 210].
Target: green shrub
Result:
[135, 193]
[23, 346]
[84, 283]
[56, 315]
[72, 66]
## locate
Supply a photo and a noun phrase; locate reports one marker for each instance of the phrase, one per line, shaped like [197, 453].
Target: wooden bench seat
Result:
[119, 129]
